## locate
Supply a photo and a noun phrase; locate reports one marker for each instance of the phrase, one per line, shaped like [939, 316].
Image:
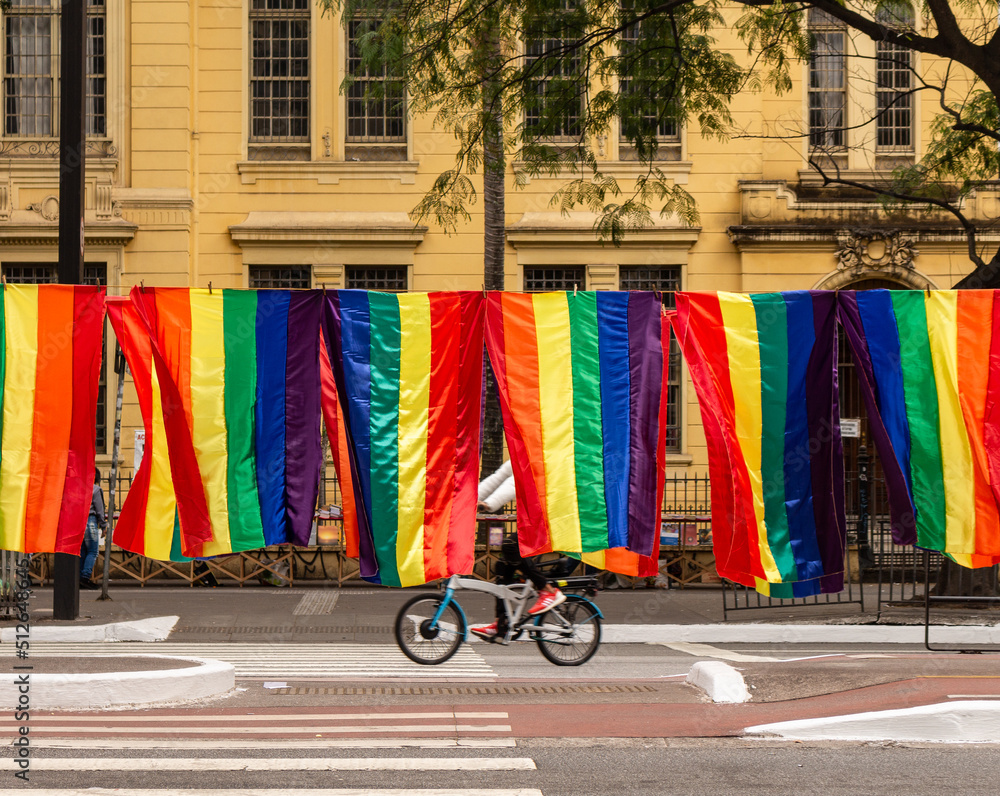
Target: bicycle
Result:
[430, 627]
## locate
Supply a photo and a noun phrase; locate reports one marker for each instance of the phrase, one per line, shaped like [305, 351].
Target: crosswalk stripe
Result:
[266, 718]
[274, 743]
[312, 729]
[275, 764]
[284, 792]
[285, 660]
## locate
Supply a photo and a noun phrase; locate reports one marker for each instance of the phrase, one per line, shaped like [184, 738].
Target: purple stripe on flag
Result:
[335, 348]
[904, 527]
[827, 462]
[645, 361]
[303, 448]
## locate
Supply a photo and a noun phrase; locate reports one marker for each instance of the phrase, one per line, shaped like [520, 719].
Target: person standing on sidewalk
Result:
[496, 491]
[92, 536]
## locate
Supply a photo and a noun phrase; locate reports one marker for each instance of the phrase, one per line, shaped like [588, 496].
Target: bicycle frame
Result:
[515, 598]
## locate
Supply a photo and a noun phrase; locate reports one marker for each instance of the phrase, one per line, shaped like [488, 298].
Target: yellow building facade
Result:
[222, 151]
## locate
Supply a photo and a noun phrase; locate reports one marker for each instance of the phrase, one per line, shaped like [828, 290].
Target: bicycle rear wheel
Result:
[570, 633]
[418, 640]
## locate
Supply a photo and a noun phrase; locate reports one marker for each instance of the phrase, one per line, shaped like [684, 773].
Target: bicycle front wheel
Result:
[570, 633]
[421, 642]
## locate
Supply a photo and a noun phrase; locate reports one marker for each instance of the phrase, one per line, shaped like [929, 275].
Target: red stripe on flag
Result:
[53, 418]
[78, 490]
[707, 359]
[130, 529]
[442, 422]
[166, 312]
[336, 433]
[461, 543]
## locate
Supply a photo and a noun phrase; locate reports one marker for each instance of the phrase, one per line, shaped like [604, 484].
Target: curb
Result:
[117, 689]
[155, 628]
[973, 721]
[720, 681]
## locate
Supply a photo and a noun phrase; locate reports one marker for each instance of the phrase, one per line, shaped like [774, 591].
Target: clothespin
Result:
[210, 288]
[928, 292]
[484, 289]
[574, 291]
[142, 285]
[3, 277]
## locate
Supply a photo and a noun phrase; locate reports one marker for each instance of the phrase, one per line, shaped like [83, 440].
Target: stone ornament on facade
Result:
[872, 249]
[48, 208]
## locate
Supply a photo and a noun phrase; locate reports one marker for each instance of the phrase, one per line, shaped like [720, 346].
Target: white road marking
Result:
[265, 718]
[276, 743]
[275, 764]
[708, 651]
[973, 696]
[316, 729]
[286, 661]
[278, 792]
[317, 603]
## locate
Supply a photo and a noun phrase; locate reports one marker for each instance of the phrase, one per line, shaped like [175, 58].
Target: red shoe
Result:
[547, 600]
[487, 632]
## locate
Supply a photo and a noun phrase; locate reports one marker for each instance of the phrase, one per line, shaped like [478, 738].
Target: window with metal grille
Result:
[31, 71]
[281, 277]
[667, 280]
[279, 79]
[93, 274]
[376, 100]
[827, 81]
[542, 280]
[893, 85]
[553, 98]
[387, 278]
[645, 109]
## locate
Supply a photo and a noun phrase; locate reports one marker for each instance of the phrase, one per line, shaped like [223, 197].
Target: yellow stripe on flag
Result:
[161, 505]
[208, 406]
[555, 387]
[956, 452]
[740, 320]
[414, 407]
[21, 333]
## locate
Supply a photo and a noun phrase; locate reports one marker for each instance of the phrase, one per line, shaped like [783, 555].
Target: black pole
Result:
[72, 157]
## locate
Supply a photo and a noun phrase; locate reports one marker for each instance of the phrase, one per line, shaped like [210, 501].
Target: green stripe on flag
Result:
[239, 315]
[920, 390]
[772, 339]
[385, 352]
[588, 440]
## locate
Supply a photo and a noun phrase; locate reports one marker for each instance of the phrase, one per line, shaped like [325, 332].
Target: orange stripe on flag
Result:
[53, 416]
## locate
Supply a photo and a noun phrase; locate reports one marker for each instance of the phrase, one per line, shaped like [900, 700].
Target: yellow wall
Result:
[188, 207]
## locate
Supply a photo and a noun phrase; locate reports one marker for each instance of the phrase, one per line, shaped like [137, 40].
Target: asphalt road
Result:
[720, 767]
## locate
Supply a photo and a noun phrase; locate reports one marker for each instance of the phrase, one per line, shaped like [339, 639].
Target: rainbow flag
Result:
[621, 559]
[929, 367]
[580, 386]
[764, 369]
[409, 374]
[238, 378]
[50, 363]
